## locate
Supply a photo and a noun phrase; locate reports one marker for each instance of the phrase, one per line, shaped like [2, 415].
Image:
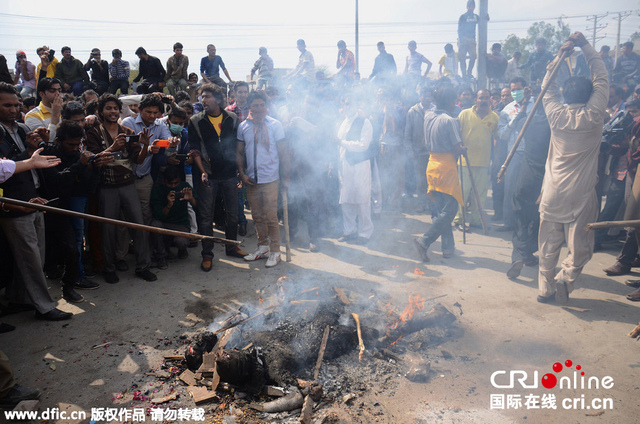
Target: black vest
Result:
[355, 133]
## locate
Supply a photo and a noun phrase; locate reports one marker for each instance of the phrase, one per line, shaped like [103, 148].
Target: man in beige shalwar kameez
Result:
[568, 200]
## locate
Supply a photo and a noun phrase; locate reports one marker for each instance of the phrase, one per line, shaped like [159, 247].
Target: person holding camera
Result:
[169, 204]
[99, 72]
[118, 192]
[47, 113]
[25, 75]
[568, 200]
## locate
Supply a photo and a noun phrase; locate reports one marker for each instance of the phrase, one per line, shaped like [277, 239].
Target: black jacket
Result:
[218, 153]
[19, 186]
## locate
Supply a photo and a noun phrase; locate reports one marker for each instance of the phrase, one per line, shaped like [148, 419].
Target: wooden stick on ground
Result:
[323, 347]
[104, 220]
[360, 342]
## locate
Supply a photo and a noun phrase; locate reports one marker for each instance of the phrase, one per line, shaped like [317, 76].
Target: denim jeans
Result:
[206, 206]
[615, 197]
[123, 85]
[446, 207]
[79, 204]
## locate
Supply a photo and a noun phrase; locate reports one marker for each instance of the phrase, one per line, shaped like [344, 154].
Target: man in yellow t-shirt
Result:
[478, 127]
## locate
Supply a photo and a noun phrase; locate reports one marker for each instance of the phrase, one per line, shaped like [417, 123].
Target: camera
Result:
[179, 195]
[45, 144]
[166, 100]
[615, 130]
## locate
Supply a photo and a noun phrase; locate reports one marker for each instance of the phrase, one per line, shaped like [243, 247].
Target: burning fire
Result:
[418, 271]
[416, 303]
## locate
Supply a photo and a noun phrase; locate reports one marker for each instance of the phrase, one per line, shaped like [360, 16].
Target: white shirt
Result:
[263, 162]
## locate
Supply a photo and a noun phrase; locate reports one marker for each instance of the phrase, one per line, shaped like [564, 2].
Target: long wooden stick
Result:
[483, 218]
[285, 212]
[612, 224]
[464, 208]
[104, 220]
[543, 91]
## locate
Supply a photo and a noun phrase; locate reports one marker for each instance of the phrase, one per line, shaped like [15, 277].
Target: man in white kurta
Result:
[568, 201]
[355, 135]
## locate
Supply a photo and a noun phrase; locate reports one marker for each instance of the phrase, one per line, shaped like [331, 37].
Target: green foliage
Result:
[554, 34]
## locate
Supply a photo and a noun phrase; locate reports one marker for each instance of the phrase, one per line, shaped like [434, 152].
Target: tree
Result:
[554, 34]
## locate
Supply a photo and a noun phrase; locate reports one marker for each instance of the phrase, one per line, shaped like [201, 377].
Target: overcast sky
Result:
[238, 31]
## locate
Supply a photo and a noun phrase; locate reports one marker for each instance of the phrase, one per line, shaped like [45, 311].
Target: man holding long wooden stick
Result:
[568, 200]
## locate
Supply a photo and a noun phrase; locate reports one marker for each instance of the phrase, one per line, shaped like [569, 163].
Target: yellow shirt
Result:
[477, 135]
[51, 70]
[216, 121]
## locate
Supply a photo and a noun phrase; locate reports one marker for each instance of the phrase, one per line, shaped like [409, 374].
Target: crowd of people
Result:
[344, 149]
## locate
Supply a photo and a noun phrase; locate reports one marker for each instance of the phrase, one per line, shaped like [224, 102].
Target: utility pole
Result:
[482, 44]
[595, 29]
[621, 16]
[357, 41]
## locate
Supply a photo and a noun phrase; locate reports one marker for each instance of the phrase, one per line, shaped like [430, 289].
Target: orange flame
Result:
[260, 299]
[418, 271]
[317, 294]
[416, 303]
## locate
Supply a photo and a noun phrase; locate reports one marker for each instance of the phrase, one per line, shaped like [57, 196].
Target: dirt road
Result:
[503, 328]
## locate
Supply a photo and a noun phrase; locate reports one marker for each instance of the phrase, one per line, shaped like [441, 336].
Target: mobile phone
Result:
[116, 155]
[179, 195]
[132, 138]
[162, 143]
[182, 156]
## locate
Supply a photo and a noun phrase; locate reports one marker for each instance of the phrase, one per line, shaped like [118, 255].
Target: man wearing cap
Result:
[99, 72]
[25, 75]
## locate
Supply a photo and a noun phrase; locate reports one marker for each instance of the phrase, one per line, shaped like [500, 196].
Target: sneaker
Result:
[17, 394]
[236, 252]
[422, 251]
[85, 284]
[274, 259]
[548, 299]
[162, 264]
[183, 254]
[110, 277]
[122, 265]
[262, 252]
[146, 275]
[206, 264]
[70, 295]
[618, 269]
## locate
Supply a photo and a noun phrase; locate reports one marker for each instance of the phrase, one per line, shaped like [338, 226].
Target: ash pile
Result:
[302, 350]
